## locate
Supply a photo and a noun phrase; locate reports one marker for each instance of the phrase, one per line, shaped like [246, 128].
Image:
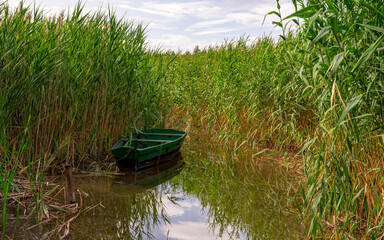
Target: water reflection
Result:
[149, 177]
[189, 198]
[240, 204]
[133, 206]
[189, 220]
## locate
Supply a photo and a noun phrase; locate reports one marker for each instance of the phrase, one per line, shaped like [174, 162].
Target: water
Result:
[182, 199]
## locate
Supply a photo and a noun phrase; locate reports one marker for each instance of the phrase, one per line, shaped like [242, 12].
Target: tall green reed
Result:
[84, 78]
[231, 86]
[70, 85]
[343, 42]
[6, 180]
[9, 163]
[318, 92]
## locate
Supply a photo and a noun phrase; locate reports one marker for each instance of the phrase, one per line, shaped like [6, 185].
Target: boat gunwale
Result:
[161, 142]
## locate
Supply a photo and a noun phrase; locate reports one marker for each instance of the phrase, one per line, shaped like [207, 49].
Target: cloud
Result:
[175, 42]
[188, 230]
[151, 11]
[160, 26]
[181, 43]
[174, 11]
[185, 24]
[217, 30]
[286, 8]
[207, 24]
[150, 23]
[248, 19]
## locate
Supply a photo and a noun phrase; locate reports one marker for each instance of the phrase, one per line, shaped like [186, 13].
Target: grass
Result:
[344, 42]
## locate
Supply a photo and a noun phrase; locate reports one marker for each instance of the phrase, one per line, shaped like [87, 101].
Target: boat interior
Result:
[145, 140]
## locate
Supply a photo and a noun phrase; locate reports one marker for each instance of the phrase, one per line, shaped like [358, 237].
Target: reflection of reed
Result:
[132, 207]
[240, 203]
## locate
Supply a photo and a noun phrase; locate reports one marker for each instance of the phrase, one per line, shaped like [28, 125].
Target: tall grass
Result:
[229, 93]
[82, 78]
[343, 41]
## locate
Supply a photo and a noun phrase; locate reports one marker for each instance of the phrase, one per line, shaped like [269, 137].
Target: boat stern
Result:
[120, 151]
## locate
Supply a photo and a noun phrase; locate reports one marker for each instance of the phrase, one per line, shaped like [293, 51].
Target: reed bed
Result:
[78, 78]
[70, 86]
[315, 95]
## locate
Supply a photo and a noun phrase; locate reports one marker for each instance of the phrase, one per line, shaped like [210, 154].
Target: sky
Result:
[182, 25]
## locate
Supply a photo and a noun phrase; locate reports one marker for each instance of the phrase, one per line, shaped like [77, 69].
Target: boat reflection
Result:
[150, 176]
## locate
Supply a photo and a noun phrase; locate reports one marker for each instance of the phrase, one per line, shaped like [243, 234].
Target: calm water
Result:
[187, 198]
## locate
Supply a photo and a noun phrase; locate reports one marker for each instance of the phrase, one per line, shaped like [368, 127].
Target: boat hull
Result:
[147, 145]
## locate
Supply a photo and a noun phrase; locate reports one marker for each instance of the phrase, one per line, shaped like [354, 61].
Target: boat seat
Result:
[152, 140]
[162, 134]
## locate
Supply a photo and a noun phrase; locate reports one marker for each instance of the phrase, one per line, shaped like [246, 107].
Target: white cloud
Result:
[183, 25]
[181, 42]
[175, 42]
[188, 230]
[160, 26]
[248, 19]
[217, 30]
[174, 11]
[207, 24]
[262, 9]
[150, 23]
[151, 11]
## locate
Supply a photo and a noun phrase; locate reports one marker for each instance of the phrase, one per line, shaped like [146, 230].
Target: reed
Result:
[80, 77]
[74, 83]
[343, 41]
[70, 86]
[315, 94]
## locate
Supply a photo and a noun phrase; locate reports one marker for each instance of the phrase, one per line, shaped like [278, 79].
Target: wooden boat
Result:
[142, 146]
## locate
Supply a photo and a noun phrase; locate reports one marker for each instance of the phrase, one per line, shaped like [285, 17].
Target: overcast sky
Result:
[183, 24]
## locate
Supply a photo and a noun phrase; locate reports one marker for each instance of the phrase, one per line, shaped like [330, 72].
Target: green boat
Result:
[140, 147]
